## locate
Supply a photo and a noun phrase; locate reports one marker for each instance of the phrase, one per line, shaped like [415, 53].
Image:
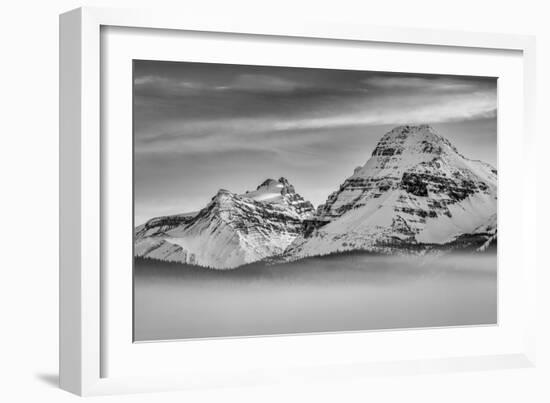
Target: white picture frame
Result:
[83, 309]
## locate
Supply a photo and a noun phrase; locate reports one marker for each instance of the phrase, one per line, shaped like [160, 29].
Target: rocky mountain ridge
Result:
[233, 229]
[415, 191]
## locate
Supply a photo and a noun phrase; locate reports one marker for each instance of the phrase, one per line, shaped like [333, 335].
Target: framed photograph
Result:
[249, 202]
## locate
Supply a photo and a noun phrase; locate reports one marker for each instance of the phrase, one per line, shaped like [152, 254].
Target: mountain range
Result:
[415, 193]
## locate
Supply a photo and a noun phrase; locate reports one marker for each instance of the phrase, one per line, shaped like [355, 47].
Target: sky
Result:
[201, 127]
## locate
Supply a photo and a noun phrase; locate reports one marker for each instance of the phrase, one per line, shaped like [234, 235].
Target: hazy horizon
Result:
[351, 292]
[201, 127]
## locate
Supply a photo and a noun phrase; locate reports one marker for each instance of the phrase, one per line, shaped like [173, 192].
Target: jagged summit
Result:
[277, 191]
[408, 146]
[272, 182]
[281, 185]
[413, 139]
[222, 193]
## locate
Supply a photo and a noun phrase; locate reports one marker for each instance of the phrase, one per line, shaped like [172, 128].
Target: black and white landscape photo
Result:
[279, 200]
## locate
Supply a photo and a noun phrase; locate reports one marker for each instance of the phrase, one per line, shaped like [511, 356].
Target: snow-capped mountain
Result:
[415, 192]
[416, 189]
[233, 229]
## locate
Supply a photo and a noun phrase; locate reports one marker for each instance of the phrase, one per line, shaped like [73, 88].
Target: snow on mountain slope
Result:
[416, 188]
[231, 230]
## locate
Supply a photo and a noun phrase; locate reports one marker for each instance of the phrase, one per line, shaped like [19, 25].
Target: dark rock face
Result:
[312, 224]
[359, 186]
[414, 184]
[299, 204]
[456, 183]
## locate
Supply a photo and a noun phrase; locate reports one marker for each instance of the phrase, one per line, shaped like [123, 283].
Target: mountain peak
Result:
[222, 193]
[222, 197]
[414, 138]
[413, 128]
[416, 189]
[272, 183]
[284, 181]
[280, 186]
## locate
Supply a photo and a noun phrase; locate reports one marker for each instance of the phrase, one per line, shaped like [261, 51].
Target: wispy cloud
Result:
[422, 84]
[253, 83]
[262, 83]
[166, 86]
[246, 83]
[205, 135]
